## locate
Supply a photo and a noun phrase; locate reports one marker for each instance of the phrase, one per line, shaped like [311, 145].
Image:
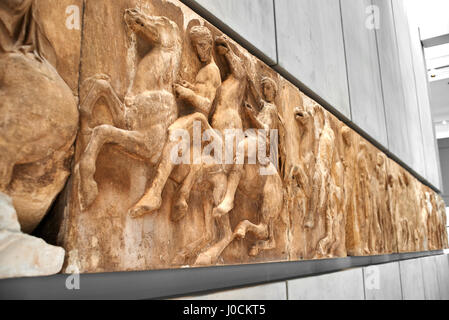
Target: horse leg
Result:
[317, 194]
[268, 244]
[228, 202]
[100, 87]
[211, 255]
[132, 141]
[270, 210]
[245, 226]
[152, 199]
[323, 244]
[232, 184]
[181, 205]
[330, 218]
[195, 247]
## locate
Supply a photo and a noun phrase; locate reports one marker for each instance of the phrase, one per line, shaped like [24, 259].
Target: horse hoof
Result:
[86, 200]
[144, 206]
[87, 190]
[203, 260]
[179, 259]
[138, 211]
[219, 212]
[254, 251]
[240, 233]
[180, 210]
[222, 209]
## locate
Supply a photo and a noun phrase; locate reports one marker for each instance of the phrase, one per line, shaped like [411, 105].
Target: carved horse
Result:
[212, 180]
[141, 123]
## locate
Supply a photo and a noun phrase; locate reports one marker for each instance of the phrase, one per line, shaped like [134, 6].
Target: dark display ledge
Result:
[182, 282]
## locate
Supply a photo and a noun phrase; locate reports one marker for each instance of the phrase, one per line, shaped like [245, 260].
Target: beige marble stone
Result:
[370, 228]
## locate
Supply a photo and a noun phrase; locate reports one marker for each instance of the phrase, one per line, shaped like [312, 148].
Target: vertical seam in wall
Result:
[286, 290]
[428, 92]
[438, 277]
[422, 277]
[346, 61]
[416, 94]
[275, 33]
[363, 282]
[81, 50]
[381, 83]
[400, 280]
[437, 152]
[401, 78]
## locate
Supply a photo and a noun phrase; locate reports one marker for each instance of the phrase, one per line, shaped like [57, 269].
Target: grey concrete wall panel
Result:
[431, 159]
[430, 277]
[411, 115]
[311, 48]
[442, 262]
[251, 20]
[412, 281]
[344, 285]
[398, 139]
[272, 291]
[362, 61]
[383, 282]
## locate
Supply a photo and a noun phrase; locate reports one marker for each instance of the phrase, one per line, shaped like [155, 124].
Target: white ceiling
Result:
[431, 16]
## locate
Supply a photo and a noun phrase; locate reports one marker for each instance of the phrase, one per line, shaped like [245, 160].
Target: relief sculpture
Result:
[224, 178]
[190, 151]
[141, 122]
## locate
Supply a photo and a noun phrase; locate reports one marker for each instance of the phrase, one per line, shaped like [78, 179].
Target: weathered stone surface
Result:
[22, 255]
[174, 234]
[369, 226]
[315, 176]
[168, 74]
[418, 212]
[39, 115]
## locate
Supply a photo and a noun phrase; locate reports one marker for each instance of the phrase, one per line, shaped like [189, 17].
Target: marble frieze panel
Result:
[165, 100]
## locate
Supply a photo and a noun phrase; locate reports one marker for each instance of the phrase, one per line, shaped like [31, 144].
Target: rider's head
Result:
[269, 89]
[202, 41]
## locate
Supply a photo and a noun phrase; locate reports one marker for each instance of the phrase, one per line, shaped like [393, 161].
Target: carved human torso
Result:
[268, 116]
[207, 81]
[227, 115]
[230, 97]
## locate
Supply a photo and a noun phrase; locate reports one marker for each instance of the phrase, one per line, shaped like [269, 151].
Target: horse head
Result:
[159, 31]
